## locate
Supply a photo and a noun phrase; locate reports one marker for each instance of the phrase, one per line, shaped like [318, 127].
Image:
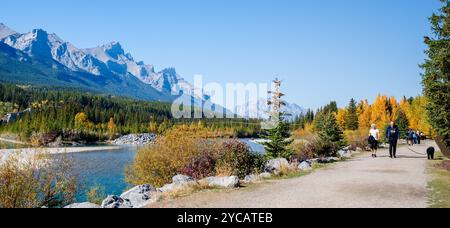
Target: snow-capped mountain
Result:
[260, 110]
[107, 68]
[166, 81]
[106, 60]
[38, 43]
[5, 31]
[119, 62]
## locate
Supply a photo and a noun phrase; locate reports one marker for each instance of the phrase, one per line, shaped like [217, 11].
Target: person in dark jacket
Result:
[410, 137]
[392, 135]
[419, 137]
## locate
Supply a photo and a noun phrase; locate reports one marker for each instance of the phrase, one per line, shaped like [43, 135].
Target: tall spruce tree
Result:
[327, 127]
[279, 134]
[352, 116]
[402, 123]
[436, 78]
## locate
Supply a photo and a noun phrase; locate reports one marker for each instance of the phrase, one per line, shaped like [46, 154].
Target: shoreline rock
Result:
[178, 183]
[85, 205]
[113, 201]
[135, 139]
[140, 196]
[249, 179]
[305, 166]
[222, 182]
[276, 165]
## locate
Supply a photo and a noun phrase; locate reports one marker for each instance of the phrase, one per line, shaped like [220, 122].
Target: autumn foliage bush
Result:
[36, 181]
[235, 158]
[157, 164]
[200, 167]
[193, 151]
[357, 139]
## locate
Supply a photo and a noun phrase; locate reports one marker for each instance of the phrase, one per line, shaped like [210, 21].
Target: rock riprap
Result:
[135, 139]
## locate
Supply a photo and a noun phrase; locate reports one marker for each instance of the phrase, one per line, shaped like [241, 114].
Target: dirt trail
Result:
[362, 182]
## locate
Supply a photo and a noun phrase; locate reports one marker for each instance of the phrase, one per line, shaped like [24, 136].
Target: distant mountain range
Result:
[41, 58]
[259, 110]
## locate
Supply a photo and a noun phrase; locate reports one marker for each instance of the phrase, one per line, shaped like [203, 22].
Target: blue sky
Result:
[323, 50]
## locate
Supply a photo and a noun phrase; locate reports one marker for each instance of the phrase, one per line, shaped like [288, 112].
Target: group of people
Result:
[414, 137]
[392, 136]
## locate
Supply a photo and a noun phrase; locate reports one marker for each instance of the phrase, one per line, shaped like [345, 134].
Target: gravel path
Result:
[362, 182]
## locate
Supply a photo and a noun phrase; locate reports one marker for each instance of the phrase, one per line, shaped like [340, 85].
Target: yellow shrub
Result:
[357, 139]
[35, 181]
[157, 164]
[303, 133]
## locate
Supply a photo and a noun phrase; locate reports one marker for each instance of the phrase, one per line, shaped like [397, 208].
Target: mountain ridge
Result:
[44, 57]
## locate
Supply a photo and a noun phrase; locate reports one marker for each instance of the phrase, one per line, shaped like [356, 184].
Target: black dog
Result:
[430, 152]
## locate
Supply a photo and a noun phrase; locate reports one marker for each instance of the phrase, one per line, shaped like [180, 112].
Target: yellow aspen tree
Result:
[364, 115]
[406, 107]
[380, 115]
[394, 108]
[112, 128]
[81, 121]
[341, 117]
[153, 127]
[419, 115]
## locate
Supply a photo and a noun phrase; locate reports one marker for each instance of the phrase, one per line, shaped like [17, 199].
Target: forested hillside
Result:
[82, 116]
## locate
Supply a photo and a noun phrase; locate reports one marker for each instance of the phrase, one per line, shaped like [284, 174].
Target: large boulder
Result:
[113, 201]
[83, 205]
[140, 196]
[276, 165]
[221, 182]
[182, 179]
[265, 175]
[179, 182]
[252, 179]
[345, 154]
[305, 166]
[327, 160]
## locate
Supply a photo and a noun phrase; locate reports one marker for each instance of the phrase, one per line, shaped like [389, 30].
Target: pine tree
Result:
[352, 116]
[402, 123]
[327, 127]
[278, 135]
[436, 78]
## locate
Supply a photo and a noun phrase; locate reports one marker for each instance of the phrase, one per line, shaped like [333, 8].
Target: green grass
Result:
[439, 186]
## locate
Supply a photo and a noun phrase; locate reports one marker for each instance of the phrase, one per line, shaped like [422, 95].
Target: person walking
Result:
[410, 137]
[392, 135]
[374, 139]
[415, 140]
[419, 137]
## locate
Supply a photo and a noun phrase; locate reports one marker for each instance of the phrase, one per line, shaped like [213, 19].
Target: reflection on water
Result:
[6, 145]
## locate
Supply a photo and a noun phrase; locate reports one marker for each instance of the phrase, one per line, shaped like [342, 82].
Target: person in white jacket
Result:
[374, 139]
